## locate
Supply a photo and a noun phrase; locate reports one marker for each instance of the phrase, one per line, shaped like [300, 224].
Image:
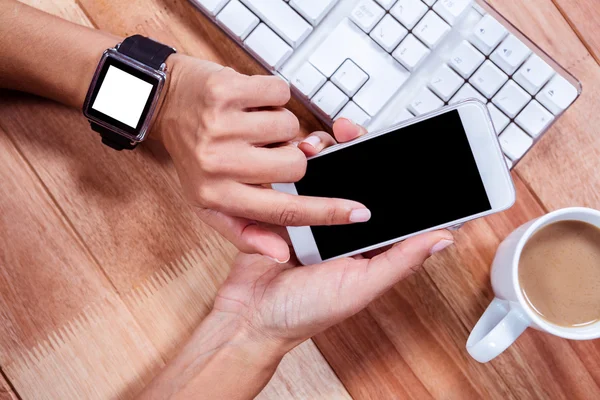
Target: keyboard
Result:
[382, 62]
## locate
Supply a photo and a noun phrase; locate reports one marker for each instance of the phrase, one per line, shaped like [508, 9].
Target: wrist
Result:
[243, 341]
[163, 113]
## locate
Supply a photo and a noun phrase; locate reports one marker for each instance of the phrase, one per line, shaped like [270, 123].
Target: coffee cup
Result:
[512, 311]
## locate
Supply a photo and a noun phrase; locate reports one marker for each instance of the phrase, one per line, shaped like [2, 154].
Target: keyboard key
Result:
[488, 79]
[313, 10]
[268, 46]
[211, 6]
[533, 74]
[308, 80]
[387, 4]
[445, 82]
[330, 99]
[388, 33]
[411, 52]
[238, 19]
[403, 115]
[465, 59]
[409, 12]
[467, 92]
[349, 77]
[534, 119]
[479, 9]
[500, 120]
[452, 10]
[511, 99]
[355, 114]
[515, 142]
[487, 34]
[557, 95]
[386, 75]
[366, 15]
[282, 19]
[425, 102]
[510, 54]
[431, 29]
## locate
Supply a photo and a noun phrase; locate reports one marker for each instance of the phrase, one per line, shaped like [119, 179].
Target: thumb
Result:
[247, 235]
[402, 260]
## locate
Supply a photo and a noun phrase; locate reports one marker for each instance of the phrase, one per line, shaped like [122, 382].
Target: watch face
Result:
[122, 96]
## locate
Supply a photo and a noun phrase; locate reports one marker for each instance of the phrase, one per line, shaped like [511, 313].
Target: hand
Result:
[228, 134]
[288, 303]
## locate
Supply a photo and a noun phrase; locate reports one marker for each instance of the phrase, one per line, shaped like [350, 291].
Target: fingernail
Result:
[312, 140]
[278, 261]
[360, 215]
[441, 245]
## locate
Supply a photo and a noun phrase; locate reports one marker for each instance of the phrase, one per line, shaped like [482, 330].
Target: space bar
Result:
[282, 19]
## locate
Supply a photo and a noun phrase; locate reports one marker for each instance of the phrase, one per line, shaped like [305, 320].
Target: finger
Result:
[270, 206]
[345, 130]
[315, 143]
[262, 91]
[246, 235]
[260, 165]
[403, 259]
[376, 252]
[266, 126]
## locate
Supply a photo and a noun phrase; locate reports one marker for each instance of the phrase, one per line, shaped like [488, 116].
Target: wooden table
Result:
[104, 270]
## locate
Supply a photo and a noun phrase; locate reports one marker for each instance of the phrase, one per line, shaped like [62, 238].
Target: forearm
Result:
[46, 55]
[222, 360]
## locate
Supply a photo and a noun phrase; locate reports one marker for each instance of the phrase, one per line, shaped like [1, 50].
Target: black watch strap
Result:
[148, 52]
[145, 50]
[112, 139]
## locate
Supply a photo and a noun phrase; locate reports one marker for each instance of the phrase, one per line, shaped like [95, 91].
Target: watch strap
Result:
[145, 50]
[112, 139]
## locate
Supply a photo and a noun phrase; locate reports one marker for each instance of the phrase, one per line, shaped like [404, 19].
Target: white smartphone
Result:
[432, 172]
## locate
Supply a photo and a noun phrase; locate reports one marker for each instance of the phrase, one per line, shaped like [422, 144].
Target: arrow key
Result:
[349, 77]
[510, 54]
[557, 95]
[533, 74]
[534, 119]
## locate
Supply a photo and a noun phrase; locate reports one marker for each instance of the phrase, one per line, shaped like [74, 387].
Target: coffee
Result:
[559, 272]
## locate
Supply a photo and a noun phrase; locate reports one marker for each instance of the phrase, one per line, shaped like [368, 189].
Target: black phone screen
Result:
[411, 179]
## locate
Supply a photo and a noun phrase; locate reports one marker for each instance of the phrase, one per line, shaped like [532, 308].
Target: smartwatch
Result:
[125, 92]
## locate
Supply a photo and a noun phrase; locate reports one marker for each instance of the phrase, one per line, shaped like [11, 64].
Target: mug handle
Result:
[499, 326]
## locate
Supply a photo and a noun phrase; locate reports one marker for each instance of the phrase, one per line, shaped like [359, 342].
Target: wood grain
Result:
[98, 245]
[49, 282]
[6, 392]
[584, 19]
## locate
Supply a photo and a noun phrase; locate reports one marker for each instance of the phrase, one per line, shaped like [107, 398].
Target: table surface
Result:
[104, 270]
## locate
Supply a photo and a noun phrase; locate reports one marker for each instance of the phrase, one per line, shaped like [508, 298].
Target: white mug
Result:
[509, 314]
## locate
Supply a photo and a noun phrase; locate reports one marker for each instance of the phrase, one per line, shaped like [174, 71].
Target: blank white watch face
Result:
[122, 96]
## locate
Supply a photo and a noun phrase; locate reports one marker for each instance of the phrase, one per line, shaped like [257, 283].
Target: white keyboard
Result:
[381, 62]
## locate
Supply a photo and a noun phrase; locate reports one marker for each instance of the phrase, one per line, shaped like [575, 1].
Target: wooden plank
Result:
[55, 300]
[6, 392]
[584, 18]
[42, 261]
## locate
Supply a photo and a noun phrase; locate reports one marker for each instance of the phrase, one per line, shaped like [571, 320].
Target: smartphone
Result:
[432, 172]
